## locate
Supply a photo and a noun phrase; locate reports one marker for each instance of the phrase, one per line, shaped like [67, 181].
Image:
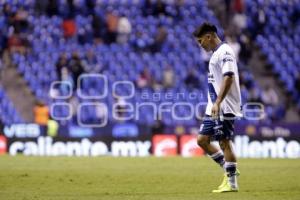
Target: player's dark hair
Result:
[205, 28]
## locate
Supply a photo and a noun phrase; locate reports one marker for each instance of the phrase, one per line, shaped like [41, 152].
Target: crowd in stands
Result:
[243, 27]
[148, 42]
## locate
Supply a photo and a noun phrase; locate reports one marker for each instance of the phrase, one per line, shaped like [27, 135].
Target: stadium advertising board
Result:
[269, 131]
[189, 147]
[164, 145]
[278, 140]
[172, 145]
[3, 144]
[251, 141]
[47, 146]
[122, 139]
[247, 147]
[264, 140]
[115, 130]
[22, 131]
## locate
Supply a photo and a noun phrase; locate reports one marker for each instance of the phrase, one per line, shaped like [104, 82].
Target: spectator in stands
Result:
[1, 126]
[61, 63]
[69, 27]
[159, 40]
[63, 74]
[8, 14]
[234, 15]
[3, 42]
[66, 76]
[236, 47]
[259, 23]
[239, 22]
[99, 28]
[121, 108]
[75, 65]
[156, 8]
[101, 113]
[238, 6]
[139, 43]
[228, 8]
[144, 80]
[245, 52]
[178, 15]
[71, 9]
[16, 43]
[297, 82]
[254, 95]
[52, 8]
[280, 112]
[90, 5]
[156, 85]
[261, 20]
[74, 103]
[246, 80]
[52, 127]
[7, 11]
[191, 80]
[269, 96]
[40, 7]
[112, 21]
[41, 113]
[69, 24]
[83, 36]
[159, 8]
[20, 20]
[124, 30]
[168, 77]
[147, 8]
[158, 127]
[90, 61]
[295, 15]
[298, 108]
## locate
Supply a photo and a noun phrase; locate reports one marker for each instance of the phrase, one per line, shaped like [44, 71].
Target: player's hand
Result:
[215, 111]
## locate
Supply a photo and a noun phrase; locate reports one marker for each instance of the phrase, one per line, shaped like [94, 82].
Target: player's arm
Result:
[226, 84]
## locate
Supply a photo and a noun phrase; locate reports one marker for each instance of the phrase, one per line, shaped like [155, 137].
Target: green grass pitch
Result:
[108, 178]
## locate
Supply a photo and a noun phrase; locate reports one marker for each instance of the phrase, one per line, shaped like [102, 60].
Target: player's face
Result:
[204, 41]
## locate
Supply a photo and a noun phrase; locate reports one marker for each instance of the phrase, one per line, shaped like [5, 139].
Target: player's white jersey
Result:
[223, 62]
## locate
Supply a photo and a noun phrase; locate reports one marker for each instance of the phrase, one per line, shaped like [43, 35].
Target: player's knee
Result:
[202, 141]
[224, 144]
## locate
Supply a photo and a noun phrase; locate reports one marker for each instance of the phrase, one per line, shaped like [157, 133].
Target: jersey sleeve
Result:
[228, 63]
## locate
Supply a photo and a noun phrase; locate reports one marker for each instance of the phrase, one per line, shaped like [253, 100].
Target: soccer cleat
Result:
[226, 188]
[224, 182]
[225, 179]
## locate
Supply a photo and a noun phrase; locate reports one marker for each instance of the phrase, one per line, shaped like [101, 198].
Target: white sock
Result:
[218, 157]
[231, 173]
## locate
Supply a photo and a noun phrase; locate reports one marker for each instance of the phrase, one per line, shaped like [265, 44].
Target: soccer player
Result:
[224, 105]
